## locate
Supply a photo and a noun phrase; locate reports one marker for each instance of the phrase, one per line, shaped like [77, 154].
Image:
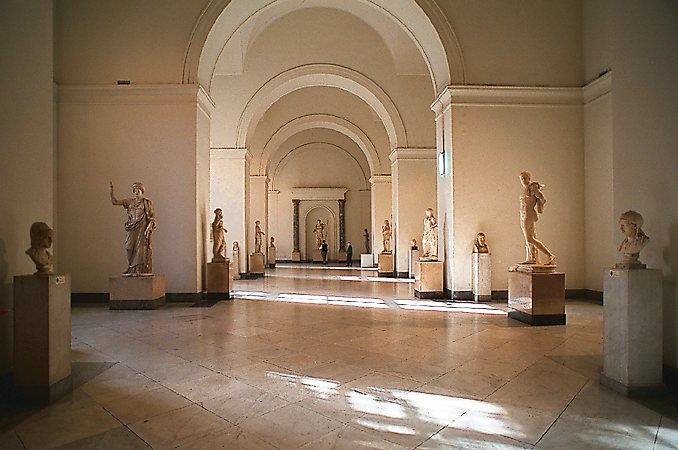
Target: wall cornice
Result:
[400, 154]
[230, 153]
[514, 96]
[597, 88]
[146, 94]
[319, 193]
[380, 179]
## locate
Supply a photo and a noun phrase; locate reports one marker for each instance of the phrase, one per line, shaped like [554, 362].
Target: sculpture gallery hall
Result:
[339, 224]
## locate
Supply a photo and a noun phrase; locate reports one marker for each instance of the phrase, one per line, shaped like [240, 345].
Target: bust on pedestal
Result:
[42, 325]
[413, 258]
[218, 271]
[632, 326]
[271, 254]
[481, 270]
[138, 287]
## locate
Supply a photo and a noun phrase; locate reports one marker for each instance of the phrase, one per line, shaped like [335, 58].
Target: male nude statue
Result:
[532, 196]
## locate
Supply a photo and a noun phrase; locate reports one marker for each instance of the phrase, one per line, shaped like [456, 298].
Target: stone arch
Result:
[326, 75]
[326, 121]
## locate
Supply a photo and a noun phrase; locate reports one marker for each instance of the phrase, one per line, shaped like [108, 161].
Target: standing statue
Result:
[41, 239]
[258, 235]
[429, 241]
[318, 230]
[218, 237]
[386, 237]
[272, 244]
[366, 236]
[139, 226]
[479, 244]
[235, 261]
[531, 197]
[634, 237]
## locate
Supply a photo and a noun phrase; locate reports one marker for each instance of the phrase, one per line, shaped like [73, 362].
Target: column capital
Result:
[423, 153]
[380, 179]
[296, 201]
[230, 153]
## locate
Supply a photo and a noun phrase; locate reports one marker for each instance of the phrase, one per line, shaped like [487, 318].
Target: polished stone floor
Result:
[334, 358]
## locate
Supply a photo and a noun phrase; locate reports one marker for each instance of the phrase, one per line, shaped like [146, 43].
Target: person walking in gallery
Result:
[323, 251]
[349, 255]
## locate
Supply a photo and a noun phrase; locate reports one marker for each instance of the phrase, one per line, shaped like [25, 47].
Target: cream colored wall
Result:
[492, 145]
[596, 40]
[26, 146]
[126, 134]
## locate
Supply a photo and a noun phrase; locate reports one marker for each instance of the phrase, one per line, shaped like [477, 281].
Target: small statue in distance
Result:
[272, 244]
[479, 244]
[531, 197]
[635, 239]
[139, 227]
[366, 237]
[413, 245]
[386, 237]
[41, 239]
[429, 241]
[319, 230]
[258, 235]
[218, 237]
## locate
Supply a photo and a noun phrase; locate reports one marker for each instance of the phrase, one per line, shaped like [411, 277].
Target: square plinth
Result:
[481, 277]
[428, 279]
[632, 331]
[271, 257]
[412, 262]
[367, 260]
[137, 292]
[385, 264]
[296, 256]
[341, 256]
[219, 280]
[42, 337]
[257, 263]
[537, 298]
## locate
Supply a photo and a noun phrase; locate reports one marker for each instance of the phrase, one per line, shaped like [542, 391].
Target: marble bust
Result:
[218, 237]
[635, 239]
[386, 237]
[479, 244]
[41, 239]
[258, 235]
[429, 241]
[532, 197]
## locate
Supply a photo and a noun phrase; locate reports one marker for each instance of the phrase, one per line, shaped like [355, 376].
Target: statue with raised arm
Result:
[139, 227]
[532, 197]
[258, 236]
[635, 238]
[319, 233]
[218, 237]
[41, 239]
[386, 237]
[429, 241]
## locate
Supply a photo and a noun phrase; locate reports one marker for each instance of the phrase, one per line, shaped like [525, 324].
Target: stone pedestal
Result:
[412, 263]
[317, 256]
[537, 298]
[428, 279]
[632, 331]
[137, 292]
[257, 263]
[481, 273]
[296, 256]
[42, 337]
[341, 256]
[235, 268]
[218, 280]
[385, 264]
[366, 260]
[271, 257]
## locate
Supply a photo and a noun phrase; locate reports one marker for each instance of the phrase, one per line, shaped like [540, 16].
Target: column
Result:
[342, 225]
[296, 254]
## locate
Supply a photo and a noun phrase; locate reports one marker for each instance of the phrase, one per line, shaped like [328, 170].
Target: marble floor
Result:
[334, 358]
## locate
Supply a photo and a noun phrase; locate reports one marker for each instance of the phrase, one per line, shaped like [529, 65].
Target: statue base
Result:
[341, 256]
[296, 256]
[317, 256]
[42, 337]
[481, 273]
[428, 279]
[146, 292]
[257, 263]
[632, 331]
[537, 298]
[234, 270]
[218, 280]
[412, 262]
[385, 264]
[271, 257]
[367, 260]
[533, 268]
[630, 265]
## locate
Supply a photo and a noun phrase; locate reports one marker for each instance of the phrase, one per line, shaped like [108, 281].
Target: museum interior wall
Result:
[295, 82]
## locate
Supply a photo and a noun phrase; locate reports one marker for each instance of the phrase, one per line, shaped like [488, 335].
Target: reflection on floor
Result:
[315, 358]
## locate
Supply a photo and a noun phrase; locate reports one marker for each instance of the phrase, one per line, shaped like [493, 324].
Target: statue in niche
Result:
[532, 197]
[218, 237]
[366, 237]
[319, 233]
[429, 240]
[139, 227]
[635, 238]
[258, 236]
[386, 237]
[479, 244]
[41, 239]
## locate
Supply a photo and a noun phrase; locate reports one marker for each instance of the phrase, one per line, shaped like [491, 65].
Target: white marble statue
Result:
[479, 244]
[634, 237]
[386, 237]
[235, 260]
[429, 241]
[532, 197]
[319, 233]
[258, 236]
[41, 239]
[139, 227]
[218, 237]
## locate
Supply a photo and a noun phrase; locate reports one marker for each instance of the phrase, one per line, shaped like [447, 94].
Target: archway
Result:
[325, 214]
